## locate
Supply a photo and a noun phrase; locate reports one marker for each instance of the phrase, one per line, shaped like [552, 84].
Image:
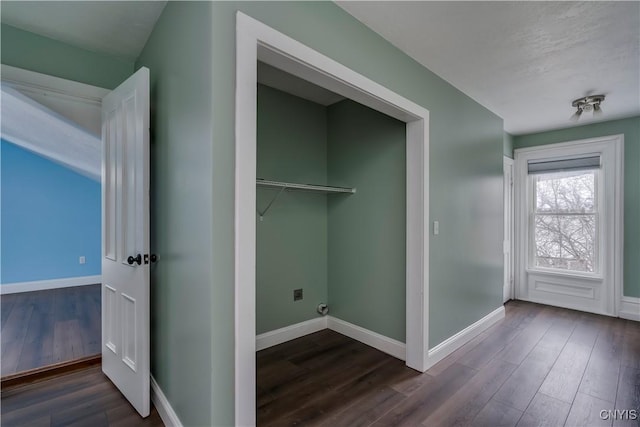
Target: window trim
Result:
[600, 221]
[610, 246]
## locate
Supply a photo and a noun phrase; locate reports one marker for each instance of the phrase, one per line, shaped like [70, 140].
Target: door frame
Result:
[611, 149]
[257, 41]
[508, 239]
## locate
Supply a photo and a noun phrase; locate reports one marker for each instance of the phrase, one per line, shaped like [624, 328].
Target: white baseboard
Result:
[41, 285]
[630, 308]
[456, 341]
[387, 345]
[288, 333]
[166, 412]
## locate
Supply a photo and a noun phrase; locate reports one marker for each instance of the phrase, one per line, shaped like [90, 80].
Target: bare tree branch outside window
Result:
[565, 220]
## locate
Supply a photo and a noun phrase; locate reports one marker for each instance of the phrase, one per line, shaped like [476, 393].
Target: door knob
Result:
[137, 259]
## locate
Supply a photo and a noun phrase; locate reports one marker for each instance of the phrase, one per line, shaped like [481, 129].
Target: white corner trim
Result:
[166, 412]
[288, 333]
[456, 341]
[387, 345]
[41, 285]
[630, 308]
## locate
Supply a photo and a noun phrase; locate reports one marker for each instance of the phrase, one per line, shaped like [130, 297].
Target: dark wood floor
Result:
[538, 366]
[45, 327]
[82, 398]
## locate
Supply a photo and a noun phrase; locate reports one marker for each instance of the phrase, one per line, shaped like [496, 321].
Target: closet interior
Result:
[331, 209]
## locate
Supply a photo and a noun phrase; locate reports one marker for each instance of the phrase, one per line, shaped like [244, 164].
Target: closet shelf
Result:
[304, 187]
[299, 187]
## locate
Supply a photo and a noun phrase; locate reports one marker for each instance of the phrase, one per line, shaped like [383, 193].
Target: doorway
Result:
[258, 42]
[51, 240]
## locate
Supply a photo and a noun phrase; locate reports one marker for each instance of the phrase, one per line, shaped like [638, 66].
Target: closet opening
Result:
[331, 207]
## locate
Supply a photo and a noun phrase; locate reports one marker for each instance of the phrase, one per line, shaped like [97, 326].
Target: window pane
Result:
[566, 242]
[566, 192]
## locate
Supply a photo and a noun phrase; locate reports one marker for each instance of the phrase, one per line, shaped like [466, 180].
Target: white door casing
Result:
[256, 41]
[600, 292]
[125, 234]
[508, 228]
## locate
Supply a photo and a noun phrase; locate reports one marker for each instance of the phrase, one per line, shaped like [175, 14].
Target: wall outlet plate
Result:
[297, 294]
[82, 260]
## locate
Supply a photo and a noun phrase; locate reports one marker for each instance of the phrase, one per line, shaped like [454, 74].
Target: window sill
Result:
[568, 275]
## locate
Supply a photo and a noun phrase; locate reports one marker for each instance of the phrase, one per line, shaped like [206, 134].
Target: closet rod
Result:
[304, 187]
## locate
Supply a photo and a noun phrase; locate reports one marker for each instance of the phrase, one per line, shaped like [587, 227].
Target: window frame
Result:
[599, 218]
[601, 294]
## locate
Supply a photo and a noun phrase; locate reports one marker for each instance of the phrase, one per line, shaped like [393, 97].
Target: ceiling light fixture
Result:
[588, 103]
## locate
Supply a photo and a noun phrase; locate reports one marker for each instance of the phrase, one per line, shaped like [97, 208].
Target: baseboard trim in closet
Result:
[288, 333]
[387, 345]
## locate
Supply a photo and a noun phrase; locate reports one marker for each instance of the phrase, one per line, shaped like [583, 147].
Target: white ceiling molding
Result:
[40, 130]
[524, 61]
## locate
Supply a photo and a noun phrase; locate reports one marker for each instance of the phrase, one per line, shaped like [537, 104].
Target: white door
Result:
[508, 229]
[125, 239]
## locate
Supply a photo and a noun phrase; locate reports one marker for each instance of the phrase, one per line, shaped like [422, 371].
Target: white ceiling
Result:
[525, 61]
[119, 28]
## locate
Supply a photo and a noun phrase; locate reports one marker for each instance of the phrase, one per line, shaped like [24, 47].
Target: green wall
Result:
[184, 306]
[465, 157]
[291, 239]
[630, 128]
[32, 52]
[507, 145]
[367, 230]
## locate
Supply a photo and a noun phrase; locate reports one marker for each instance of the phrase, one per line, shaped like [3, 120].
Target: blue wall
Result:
[50, 217]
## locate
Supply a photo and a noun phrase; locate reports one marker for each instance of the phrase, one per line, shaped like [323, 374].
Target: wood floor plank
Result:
[317, 411]
[367, 409]
[330, 380]
[83, 398]
[496, 414]
[600, 379]
[566, 374]
[631, 348]
[13, 336]
[426, 400]
[67, 340]
[464, 405]
[585, 411]
[628, 395]
[29, 329]
[481, 354]
[516, 351]
[518, 391]
[545, 411]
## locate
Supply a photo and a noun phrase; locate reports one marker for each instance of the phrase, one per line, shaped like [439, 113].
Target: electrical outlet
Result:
[82, 260]
[297, 294]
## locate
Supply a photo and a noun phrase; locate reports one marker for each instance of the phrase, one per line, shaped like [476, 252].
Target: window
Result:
[565, 223]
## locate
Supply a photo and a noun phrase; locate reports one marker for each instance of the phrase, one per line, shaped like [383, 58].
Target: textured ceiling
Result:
[525, 61]
[119, 28]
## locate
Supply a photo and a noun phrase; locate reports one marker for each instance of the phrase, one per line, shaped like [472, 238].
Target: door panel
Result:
[125, 268]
